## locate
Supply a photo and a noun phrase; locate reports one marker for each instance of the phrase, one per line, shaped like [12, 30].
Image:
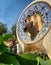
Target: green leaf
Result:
[1, 40]
[21, 60]
[8, 59]
[30, 56]
[3, 47]
[6, 37]
[47, 62]
[5, 64]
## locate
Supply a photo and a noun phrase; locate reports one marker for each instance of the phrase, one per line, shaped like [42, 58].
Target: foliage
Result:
[6, 37]
[7, 58]
[30, 56]
[3, 28]
[35, 59]
[13, 30]
[3, 38]
[47, 62]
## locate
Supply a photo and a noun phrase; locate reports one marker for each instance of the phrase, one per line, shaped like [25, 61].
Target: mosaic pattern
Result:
[45, 11]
